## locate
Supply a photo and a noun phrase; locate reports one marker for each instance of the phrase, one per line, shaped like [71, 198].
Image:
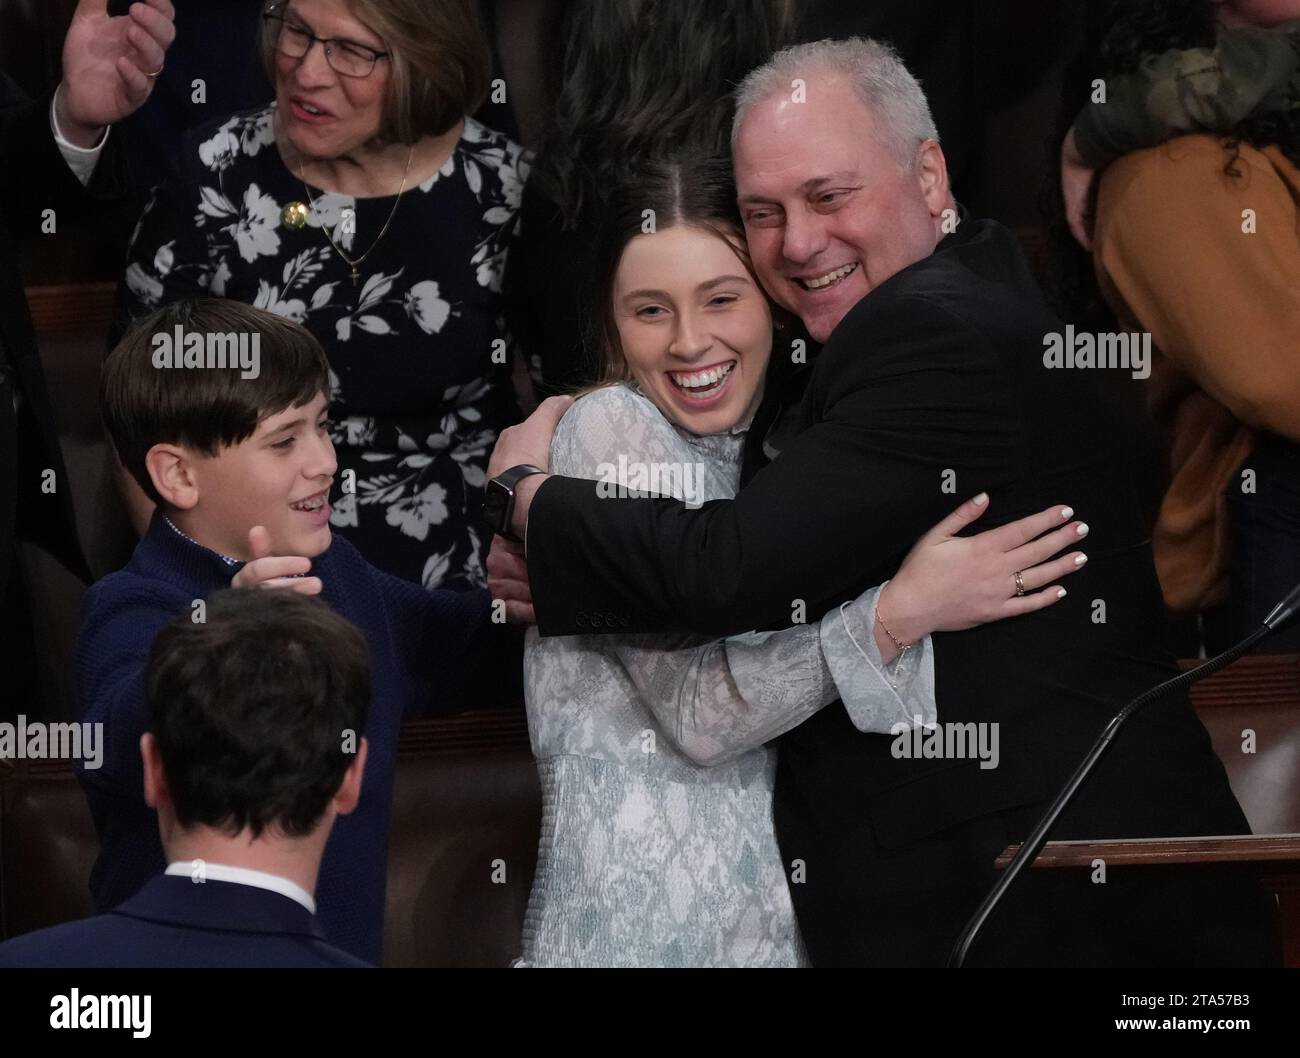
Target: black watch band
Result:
[499, 499]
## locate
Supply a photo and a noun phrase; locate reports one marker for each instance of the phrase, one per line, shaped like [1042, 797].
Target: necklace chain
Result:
[353, 263]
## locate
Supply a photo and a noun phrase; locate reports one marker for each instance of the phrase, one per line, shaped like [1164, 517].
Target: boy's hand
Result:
[266, 571]
[507, 570]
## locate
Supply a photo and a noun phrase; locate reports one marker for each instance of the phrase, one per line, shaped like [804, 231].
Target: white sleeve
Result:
[718, 699]
[81, 160]
[861, 676]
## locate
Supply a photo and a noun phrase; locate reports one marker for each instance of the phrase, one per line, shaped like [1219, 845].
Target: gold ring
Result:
[156, 72]
[1020, 584]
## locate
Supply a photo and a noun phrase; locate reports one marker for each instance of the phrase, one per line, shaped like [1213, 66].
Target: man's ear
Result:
[350, 791]
[155, 779]
[171, 470]
[932, 173]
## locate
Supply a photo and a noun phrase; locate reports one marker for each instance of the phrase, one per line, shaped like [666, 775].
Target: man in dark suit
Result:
[50, 150]
[932, 382]
[257, 746]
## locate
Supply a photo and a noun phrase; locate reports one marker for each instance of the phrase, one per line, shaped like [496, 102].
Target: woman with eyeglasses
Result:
[364, 203]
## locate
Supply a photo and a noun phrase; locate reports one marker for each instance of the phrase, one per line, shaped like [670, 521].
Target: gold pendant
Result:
[294, 216]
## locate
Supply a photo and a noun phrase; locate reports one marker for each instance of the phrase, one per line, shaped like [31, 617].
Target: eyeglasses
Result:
[346, 57]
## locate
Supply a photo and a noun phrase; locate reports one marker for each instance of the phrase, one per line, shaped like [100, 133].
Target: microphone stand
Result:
[1279, 616]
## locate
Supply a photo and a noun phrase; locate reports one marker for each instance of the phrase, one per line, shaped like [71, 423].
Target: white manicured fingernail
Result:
[1060, 593]
[981, 499]
[1083, 529]
[1067, 513]
[1079, 560]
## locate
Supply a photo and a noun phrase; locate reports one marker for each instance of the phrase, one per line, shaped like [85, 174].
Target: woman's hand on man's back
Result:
[949, 583]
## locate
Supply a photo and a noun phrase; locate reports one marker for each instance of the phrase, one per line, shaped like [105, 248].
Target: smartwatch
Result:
[499, 500]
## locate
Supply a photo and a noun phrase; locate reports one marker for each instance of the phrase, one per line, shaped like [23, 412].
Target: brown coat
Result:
[1173, 257]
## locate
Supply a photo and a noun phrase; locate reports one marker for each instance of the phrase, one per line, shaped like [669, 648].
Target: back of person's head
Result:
[631, 79]
[203, 373]
[695, 190]
[258, 710]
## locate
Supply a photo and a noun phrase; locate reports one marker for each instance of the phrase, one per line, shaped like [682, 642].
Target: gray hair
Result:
[874, 70]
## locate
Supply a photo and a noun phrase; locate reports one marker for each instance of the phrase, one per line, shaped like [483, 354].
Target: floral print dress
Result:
[419, 355]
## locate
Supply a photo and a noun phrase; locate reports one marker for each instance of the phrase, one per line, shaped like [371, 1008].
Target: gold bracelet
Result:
[892, 638]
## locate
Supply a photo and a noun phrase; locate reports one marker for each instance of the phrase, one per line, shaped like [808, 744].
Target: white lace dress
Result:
[657, 844]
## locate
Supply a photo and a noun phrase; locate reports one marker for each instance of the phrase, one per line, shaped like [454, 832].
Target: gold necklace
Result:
[354, 262]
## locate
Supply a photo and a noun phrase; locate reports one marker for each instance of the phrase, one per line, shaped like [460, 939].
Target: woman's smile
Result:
[695, 330]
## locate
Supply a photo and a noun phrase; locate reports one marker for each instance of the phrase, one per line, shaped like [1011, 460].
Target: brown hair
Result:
[438, 56]
[251, 708]
[205, 409]
[629, 79]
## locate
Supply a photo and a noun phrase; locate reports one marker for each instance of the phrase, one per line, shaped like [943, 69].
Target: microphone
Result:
[1283, 611]
[1277, 617]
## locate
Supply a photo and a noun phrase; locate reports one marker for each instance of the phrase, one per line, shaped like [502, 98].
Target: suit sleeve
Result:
[34, 176]
[911, 413]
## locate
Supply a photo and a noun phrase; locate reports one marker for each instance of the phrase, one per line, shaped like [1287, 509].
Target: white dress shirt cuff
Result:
[81, 160]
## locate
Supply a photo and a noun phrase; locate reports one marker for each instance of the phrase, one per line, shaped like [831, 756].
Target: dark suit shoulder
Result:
[980, 275]
[913, 338]
[972, 305]
[118, 941]
[171, 921]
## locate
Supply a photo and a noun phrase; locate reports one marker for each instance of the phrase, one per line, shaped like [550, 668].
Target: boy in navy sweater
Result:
[218, 410]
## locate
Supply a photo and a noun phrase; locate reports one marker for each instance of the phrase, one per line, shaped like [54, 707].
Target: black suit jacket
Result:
[176, 922]
[33, 178]
[930, 390]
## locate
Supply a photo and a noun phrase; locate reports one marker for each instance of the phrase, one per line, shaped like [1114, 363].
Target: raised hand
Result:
[266, 571]
[109, 63]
